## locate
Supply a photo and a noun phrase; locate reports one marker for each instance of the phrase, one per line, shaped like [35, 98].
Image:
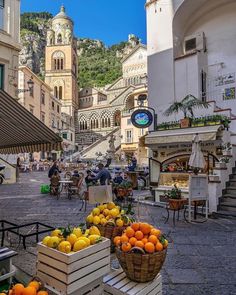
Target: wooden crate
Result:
[116, 283]
[68, 273]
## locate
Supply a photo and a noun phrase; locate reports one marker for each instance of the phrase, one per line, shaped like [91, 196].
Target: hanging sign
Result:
[142, 118]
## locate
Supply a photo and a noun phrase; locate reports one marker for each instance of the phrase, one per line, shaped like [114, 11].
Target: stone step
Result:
[228, 202]
[230, 190]
[224, 214]
[227, 208]
[229, 196]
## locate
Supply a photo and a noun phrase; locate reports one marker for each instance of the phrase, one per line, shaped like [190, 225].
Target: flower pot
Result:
[185, 123]
[213, 177]
[177, 204]
[226, 153]
[220, 165]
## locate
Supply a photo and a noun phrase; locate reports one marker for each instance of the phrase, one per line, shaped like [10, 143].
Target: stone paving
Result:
[201, 256]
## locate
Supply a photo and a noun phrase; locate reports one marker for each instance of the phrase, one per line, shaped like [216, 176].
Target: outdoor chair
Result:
[77, 190]
[55, 187]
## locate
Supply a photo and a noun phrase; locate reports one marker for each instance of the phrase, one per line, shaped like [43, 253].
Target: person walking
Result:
[103, 175]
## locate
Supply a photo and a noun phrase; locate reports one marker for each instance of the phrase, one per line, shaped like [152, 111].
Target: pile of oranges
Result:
[33, 288]
[141, 235]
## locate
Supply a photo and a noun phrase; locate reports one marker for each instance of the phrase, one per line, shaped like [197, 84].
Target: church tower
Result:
[61, 62]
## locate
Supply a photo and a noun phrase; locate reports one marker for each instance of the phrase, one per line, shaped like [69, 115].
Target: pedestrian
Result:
[103, 175]
[53, 169]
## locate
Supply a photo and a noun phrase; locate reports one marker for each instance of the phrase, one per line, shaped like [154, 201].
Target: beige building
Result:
[61, 62]
[104, 111]
[9, 45]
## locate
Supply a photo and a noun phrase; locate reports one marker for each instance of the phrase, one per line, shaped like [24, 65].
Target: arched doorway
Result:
[129, 103]
[117, 118]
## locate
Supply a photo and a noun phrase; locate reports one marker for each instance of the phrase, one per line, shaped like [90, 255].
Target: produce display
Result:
[33, 288]
[141, 236]
[108, 214]
[69, 240]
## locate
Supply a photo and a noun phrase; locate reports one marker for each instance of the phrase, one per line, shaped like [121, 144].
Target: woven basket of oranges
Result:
[141, 251]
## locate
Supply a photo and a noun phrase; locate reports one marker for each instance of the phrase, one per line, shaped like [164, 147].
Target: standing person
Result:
[103, 175]
[18, 165]
[53, 169]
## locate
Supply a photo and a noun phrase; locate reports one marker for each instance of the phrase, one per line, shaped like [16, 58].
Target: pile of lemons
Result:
[75, 241]
[108, 214]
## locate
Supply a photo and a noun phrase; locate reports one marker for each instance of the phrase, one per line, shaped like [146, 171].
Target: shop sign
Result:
[142, 118]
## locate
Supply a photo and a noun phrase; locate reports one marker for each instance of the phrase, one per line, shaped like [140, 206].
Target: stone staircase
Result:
[227, 206]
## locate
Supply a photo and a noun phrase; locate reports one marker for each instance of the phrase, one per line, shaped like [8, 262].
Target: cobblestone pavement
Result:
[201, 257]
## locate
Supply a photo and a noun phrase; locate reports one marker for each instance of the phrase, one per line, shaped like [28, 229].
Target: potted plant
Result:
[226, 149]
[222, 162]
[213, 177]
[175, 199]
[186, 105]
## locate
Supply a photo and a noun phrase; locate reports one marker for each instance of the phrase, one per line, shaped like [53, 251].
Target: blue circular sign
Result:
[142, 118]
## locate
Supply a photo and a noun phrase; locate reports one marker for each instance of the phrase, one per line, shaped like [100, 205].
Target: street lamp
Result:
[30, 84]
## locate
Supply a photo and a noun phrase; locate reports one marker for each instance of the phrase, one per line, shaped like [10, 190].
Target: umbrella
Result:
[197, 159]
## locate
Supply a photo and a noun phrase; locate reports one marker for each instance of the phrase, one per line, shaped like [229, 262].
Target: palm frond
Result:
[174, 109]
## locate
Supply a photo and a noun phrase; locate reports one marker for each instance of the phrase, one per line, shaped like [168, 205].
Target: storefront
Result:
[171, 150]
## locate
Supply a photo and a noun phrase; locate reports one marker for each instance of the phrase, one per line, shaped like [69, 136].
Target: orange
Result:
[126, 247]
[159, 246]
[144, 240]
[18, 289]
[139, 244]
[132, 241]
[10, 292]
[29, 291]
[129, 232]
[124, 239]
[116, 238]
[155, 232]
[138, 235]
[149, 247]
[2, 293]
[135, 226]
[118, 242]
[153, 239]
[165, 245]
[34, 284]
[145, 228]
[42, 293]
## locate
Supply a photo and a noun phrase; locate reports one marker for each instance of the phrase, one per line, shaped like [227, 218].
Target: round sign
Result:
[142, 118]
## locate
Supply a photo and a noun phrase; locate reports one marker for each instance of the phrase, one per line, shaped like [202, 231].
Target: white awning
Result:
[206, 133]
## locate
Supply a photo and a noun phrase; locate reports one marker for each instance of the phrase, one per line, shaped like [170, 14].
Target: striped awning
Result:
[21, 131]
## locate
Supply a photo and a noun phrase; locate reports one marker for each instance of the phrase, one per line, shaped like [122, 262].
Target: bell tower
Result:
[61, 62]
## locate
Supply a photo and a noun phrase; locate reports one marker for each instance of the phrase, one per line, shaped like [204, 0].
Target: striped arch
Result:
[83, 124]
[105, 121]
[116, 117]
[94, 121]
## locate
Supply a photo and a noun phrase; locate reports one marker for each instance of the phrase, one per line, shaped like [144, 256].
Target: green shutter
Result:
[1, 77]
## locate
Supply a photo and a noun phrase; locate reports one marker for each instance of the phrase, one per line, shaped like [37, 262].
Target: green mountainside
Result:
[98, 65]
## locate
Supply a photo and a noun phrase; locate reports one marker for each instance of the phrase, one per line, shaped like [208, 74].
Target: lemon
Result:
[101, 207]
[77, 231]
[94, 239]
[87, 241]
[111, 205]
[45, 240]
[89, 218]
[96, 220]
[96, 211]
[56, 233]
[72, 238]
[65, 247]
[53, 242]
[94, 231]
[86, 233]
[79, 245]
[103, 221]
[114, 212]
[119, 222]
[122, 212]
[101, 216]
[108, 217]
[106, 212]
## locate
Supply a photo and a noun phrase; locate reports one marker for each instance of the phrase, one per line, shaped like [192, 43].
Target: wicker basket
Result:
[139, 267]
[109, 232]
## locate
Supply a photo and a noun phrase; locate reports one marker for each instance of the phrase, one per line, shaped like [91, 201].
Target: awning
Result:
[206, 133]
[21, 131]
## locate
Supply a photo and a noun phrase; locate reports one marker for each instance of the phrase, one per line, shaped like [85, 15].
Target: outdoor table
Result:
[65, 185]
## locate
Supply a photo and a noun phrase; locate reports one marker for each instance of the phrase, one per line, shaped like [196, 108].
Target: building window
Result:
[64, 135]
[59, 39]
[31, 109]
[58, 60]
[43, 117]
[53, 105]
[128, 121]
[56, 92]
[1, 76]
[58, 124]
[1, 14]
[43, 97]
[71, 137]
[58, 109]
[128, 136]
[60, 92]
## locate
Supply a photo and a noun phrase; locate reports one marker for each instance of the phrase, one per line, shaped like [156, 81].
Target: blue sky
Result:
[107, 20]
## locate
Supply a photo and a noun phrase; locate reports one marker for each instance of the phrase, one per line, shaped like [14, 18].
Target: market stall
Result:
[171, 151]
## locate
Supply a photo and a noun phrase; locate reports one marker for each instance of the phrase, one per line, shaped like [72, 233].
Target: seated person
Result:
[75, 178]
[127, 181]
[118, 178]
[54, 182]
[88, 179]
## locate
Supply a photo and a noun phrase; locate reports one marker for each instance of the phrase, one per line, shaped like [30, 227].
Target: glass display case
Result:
[169, 179]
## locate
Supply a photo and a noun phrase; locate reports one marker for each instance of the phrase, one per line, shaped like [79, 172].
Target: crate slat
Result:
[143, 288]
[111, 275]
[117, 279]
